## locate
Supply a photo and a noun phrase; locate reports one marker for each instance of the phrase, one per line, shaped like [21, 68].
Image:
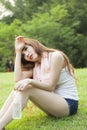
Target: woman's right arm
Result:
[18, 73]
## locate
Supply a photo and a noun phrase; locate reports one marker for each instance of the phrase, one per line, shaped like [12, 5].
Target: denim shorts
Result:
[73, 105]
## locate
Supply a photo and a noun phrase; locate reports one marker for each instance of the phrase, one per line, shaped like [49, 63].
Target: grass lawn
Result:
[35, 119]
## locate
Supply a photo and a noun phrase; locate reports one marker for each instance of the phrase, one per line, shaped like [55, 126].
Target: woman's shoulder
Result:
[56, 54]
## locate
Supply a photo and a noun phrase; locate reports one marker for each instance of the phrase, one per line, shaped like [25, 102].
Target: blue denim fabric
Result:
[73, 105]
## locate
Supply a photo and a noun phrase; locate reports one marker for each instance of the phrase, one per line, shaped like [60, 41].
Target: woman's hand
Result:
[19, 43]
[23, 85]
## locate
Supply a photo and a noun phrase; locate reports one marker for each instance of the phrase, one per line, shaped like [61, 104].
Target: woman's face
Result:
[30, 54]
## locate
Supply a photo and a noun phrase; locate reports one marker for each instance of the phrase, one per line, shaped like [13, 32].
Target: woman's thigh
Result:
[49, 102]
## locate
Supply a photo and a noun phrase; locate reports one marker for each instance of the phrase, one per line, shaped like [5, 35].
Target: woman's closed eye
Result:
[25, 48]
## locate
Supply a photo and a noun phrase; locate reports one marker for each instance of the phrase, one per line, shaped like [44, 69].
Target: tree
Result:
[7, 38]
[62, 26]
[22, 9]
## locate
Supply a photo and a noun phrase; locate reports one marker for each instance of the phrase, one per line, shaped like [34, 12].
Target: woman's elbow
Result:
[16, 80]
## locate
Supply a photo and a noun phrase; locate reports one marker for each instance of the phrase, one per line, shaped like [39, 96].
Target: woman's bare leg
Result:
[48, 101]
[6, 105]
[7, 117]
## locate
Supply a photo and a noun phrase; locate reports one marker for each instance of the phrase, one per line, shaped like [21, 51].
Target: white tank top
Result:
[66, 86]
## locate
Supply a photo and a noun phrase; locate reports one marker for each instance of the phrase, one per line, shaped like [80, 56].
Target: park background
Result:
[60, 24]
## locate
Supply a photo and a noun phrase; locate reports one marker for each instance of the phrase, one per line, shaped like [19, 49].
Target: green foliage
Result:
[60, 24]
[22, 9]
[7, 37]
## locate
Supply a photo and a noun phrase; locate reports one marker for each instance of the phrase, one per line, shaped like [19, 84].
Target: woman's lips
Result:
[30, 57]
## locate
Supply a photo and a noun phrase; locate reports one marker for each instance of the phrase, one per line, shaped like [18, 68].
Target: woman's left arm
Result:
[57, 63]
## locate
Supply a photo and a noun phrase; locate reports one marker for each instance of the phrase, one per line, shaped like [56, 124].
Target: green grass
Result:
[34, 119]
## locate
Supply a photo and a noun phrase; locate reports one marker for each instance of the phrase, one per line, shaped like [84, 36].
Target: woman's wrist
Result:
[18, 51]
[30, 81]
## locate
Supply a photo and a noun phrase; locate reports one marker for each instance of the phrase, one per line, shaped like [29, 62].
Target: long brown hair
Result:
[40, 48]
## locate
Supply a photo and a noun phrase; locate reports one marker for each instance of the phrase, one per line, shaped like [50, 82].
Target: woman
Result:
[45, 76]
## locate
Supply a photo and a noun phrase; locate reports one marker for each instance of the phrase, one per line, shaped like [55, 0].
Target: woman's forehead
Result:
[27, 45]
